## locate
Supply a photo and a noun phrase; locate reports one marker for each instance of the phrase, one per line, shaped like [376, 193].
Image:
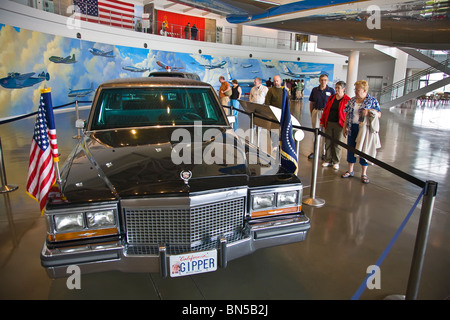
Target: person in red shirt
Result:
[332, 120]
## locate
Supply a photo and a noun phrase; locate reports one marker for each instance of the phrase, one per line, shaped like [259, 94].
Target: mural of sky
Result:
[73, 68]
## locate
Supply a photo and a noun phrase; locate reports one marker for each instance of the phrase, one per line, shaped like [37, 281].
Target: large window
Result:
[138, 107]
[432, 78]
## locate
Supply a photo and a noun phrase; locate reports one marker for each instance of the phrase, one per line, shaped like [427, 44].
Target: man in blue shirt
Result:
[317, 101]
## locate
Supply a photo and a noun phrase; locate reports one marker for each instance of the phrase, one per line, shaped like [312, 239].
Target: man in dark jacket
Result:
[194, 31]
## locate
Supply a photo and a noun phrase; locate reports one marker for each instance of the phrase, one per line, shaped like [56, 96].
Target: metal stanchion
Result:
[312, 200]
[77, 116]
[421, 240]
[5, 187]
[252, 128]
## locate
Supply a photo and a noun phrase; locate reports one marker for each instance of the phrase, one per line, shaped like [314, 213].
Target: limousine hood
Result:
[140, 162]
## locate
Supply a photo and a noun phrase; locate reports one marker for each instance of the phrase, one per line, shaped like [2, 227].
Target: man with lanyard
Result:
[318, 99]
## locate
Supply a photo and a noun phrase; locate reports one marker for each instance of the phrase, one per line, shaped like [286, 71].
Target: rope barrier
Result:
[12, 119]
[425, 215]
[380, 260]
[397, 172]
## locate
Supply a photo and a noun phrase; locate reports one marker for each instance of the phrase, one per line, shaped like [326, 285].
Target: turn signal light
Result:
[276, 211]
[82, 234]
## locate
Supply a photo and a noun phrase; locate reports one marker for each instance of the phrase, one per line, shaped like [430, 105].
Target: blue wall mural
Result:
[73, 68]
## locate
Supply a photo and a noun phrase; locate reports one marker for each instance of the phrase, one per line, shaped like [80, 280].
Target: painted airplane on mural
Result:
[214, 66]
[243, 82]
[268, 64]
[79, 93]
[16, 80]
[135, 69]
[66, 60]
[101, 53]
[301, 74]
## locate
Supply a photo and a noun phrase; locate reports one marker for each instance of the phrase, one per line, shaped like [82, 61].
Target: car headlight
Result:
[69, 222]
[80, 223]
[278, 201]
[263, 201]
[101, 219]
[288, 198]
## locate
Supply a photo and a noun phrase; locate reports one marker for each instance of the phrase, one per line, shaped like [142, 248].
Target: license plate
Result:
[193, 263]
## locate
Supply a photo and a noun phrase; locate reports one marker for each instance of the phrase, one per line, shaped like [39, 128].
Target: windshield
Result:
[150, 106]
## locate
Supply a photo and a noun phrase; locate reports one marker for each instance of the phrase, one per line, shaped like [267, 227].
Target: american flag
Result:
[43, 153]
[111, 12]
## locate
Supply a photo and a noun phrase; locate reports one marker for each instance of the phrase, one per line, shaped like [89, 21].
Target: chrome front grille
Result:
[185, 227]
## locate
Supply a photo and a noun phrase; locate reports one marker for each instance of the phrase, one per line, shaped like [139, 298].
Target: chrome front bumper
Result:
[113, 256]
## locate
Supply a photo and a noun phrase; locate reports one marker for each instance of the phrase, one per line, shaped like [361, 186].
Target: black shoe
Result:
[311, 156]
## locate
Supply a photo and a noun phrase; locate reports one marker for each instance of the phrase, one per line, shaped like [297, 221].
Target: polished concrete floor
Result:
[349, 233]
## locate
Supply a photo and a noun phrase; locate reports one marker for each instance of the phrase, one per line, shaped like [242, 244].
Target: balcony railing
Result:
[138, 24]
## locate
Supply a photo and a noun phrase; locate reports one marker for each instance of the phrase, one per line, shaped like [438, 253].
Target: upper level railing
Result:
[225, 35]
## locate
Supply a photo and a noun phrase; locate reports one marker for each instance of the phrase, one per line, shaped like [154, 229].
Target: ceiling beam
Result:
[167, 6]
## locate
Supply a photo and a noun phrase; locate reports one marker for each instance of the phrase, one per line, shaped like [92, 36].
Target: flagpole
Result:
[55, 159]
[57, 173]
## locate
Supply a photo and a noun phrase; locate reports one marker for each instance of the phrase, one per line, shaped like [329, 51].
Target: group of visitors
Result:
[332, 110]
[189, 32]
[231, 94]
[295, 88]
[344, 117]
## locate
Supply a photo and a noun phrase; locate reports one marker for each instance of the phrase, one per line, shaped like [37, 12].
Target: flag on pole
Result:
[43, 153]
[46, 102]
[287, 142]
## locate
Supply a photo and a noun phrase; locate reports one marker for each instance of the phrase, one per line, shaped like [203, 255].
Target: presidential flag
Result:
[111, 12]
[287, 143]
[43, 153]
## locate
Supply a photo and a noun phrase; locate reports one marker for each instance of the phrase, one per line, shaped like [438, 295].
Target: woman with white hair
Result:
[357, 108]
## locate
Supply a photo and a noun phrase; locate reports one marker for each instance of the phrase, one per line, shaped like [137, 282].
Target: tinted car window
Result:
[136, 107]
